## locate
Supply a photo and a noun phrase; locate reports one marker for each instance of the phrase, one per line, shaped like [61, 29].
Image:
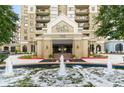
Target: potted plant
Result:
[50, 56]
[74, 56]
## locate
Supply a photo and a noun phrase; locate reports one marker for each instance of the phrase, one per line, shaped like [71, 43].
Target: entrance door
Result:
[62, 49]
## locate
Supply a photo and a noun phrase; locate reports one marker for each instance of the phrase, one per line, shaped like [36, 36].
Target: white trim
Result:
[24, 42]
[65, 19]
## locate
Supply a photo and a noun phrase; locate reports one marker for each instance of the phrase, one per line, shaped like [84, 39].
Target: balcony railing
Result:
[43, 19]
[39, 25]
[43, 12]
[82, 6]
[42, 6]
[81, 19]
[82, 12]
[86, 26]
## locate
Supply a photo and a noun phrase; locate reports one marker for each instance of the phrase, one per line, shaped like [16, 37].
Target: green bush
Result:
[26, 56]
[3, 57]
[50, 56]
[74, 56]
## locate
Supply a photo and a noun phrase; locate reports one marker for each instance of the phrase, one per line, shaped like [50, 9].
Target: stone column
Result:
[77, 48]
[102, 48]
[85, 48]
[40, 49]
[47, 48]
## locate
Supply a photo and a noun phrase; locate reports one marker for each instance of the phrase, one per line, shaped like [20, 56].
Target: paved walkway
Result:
[102, 60]
[16, 60]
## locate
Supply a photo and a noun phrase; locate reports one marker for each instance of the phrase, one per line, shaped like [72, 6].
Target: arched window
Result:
[119, 47]
[98, 48]
[13, 49]
[32, 48]
[6, 48]
[24, 48]
[91, 48]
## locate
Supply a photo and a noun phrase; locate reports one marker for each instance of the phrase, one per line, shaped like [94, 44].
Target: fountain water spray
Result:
[9, 67]
[62, 69]
[109, 66]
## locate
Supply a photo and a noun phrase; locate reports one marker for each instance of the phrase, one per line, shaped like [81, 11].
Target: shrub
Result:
[26, 56]
[3, 57]
[73, 56]
[50, 56]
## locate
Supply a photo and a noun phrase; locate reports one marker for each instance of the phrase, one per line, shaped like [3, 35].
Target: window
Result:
[25, 37]
[92, 48]
[31, 29]
[25, 30]
[31, 16]
[25, 11]
[24, 48]
[31, 9]
[32, 48]
[13, 49]
[25, 17]
[93, 8]
[86, 35]
[71, 8]
[53, 8]
[26, 24]
[98, 48]
[119, 47]
[80, 24]
[6, 48]
[31, 23]
[71, 15]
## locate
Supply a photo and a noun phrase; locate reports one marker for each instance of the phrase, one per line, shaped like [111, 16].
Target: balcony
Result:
[43, 6]
[81, 19]
[82, 12]
[86, 26]
[43, 19]
[81, 6]
[38, 32]
[43, 12]
[38, 25]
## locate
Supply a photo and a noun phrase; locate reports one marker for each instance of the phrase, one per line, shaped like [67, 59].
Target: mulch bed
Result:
[70, 60]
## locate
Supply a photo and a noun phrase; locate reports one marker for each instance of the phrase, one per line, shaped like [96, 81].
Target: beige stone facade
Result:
[52, 30]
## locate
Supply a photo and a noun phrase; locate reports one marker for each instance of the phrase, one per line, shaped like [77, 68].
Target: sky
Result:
[16, 9]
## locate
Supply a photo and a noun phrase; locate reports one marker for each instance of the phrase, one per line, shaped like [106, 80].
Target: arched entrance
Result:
[13, 49]
[119, 47]
[98, 48]
[32, 48]
[91, 48]
[6, 48]
[24, 48]
[62, 47]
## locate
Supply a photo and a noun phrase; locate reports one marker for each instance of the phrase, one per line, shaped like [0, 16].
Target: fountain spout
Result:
[109, 65]
[9, 67]
[62, 69]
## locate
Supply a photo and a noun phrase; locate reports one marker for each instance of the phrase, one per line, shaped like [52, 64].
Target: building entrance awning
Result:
[62, 41]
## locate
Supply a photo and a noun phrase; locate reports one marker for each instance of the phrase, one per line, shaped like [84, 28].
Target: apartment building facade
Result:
[59, 29]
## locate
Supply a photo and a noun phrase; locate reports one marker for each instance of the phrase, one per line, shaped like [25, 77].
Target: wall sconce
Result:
[77, 47]
[46, 47]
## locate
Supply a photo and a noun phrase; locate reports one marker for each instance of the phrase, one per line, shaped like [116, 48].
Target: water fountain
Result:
[62, 69]
[9, 67]
[109, 66]
[64, 76]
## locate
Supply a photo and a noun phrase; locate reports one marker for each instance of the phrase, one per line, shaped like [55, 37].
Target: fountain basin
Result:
[83, 77]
